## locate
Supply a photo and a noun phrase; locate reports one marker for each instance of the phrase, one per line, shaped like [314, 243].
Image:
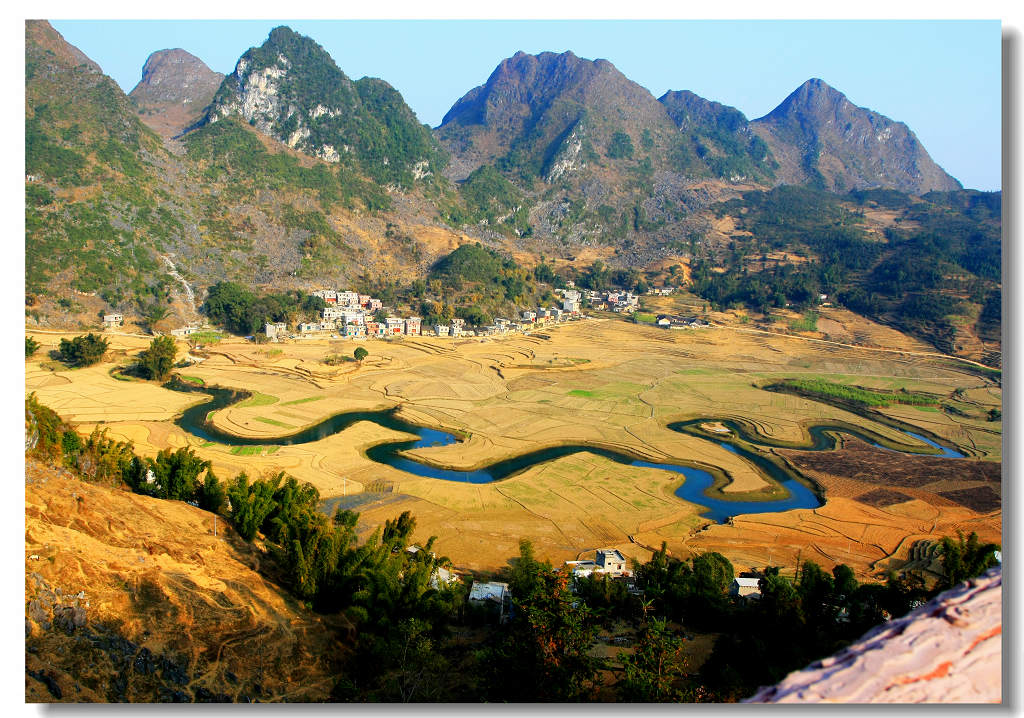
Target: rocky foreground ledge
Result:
[947, 651]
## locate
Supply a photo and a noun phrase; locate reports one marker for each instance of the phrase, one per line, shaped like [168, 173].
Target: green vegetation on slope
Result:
[859, 395]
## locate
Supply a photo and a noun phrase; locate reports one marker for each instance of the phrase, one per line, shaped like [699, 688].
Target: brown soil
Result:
[133, 598]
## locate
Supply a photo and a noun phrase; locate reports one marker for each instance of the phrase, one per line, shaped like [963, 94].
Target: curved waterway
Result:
[195, 421]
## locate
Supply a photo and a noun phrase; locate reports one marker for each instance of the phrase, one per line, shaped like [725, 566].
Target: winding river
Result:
[195, 421]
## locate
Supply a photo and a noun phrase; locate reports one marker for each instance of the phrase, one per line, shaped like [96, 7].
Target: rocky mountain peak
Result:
[290, 89]
[176, 76]
[813, 98]
[175, 88]
[821, 138]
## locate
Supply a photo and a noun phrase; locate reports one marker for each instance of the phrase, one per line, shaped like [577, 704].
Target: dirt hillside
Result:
[129, 598]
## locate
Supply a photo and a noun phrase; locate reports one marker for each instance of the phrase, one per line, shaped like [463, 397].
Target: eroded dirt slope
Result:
[130, 598]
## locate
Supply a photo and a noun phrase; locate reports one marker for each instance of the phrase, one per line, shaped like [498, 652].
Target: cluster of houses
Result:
[669, 321]
[608, 300]
[350, 315]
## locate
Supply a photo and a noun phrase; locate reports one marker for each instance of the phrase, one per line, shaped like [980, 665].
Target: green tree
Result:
[31, 346]
[157, 361]
[82, 350]
[651, 674]
[360, 353]
[176, 473]
[962, 559]
[212, 495]
[250, 504]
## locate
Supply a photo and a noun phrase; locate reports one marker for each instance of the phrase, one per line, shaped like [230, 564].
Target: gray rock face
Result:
[176, 76]
[822, 139]
[947, 651]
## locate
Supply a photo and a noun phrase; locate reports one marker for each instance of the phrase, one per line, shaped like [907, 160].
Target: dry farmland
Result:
[603, 382]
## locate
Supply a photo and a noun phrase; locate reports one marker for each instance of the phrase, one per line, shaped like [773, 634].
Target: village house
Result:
[412, 326]
[529, 316]
[113, 320]
[331, 313]
[309, 327]
[348, 299]
[611, 562]
[328, 295]
[441, 330]
[745, 587]
[394, 325]
[275, 330]
[350, 316]
[185, 331]
[354, 331]
[443, 577]
[581, 569]
[374, 304]
[492, 596]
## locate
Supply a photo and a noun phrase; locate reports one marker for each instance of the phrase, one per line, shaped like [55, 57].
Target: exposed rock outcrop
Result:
[947, 651]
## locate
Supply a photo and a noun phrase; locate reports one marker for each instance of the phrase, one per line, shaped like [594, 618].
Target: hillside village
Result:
[351, 315]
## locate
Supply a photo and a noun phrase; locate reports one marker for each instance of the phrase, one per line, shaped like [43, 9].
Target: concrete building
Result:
[412, 326]
[275, 330]
[348, 299]
[611, 561]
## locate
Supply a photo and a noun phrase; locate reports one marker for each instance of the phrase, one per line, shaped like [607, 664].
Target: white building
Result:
[611, 561]
[348, 299]
[275, 330]
[745, 588]
[494, 595]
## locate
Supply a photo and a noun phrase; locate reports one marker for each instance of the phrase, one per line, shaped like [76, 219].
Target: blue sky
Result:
[942, 78]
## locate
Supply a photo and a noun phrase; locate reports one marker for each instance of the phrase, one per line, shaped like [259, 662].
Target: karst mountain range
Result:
[287, 172]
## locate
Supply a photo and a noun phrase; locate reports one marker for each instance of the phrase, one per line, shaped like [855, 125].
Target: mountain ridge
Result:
[822, 139]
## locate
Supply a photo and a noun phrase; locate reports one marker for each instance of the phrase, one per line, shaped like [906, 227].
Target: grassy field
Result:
[623, 384]
[258, 399]
[302, 401]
